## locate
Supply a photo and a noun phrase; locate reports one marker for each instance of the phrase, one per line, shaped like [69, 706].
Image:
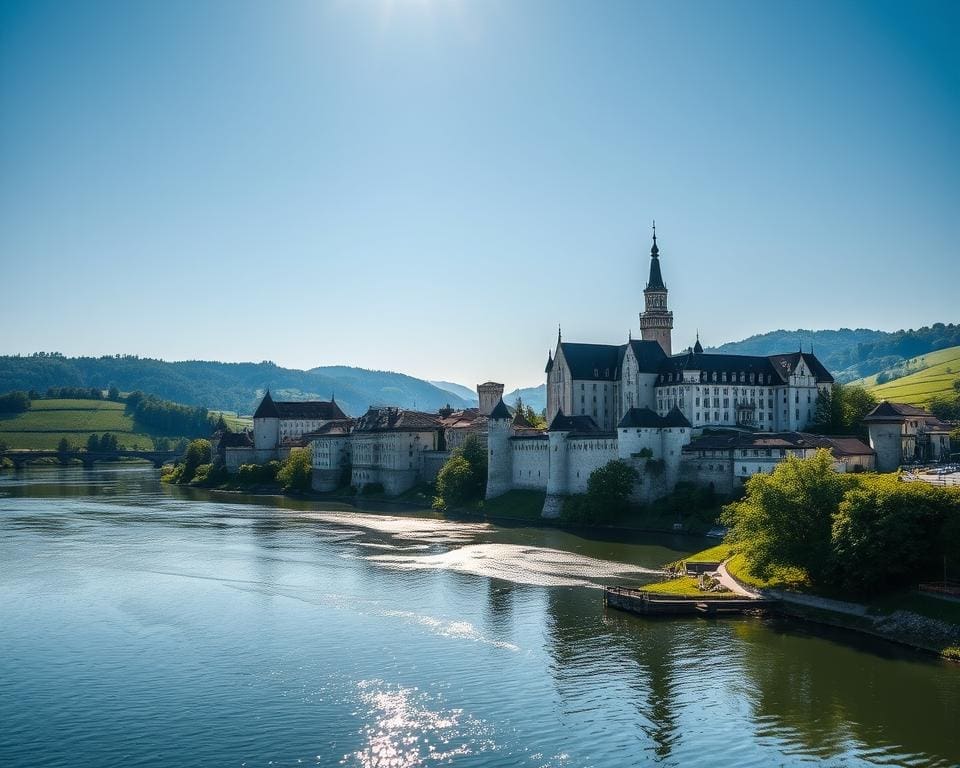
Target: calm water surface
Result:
[147, 626]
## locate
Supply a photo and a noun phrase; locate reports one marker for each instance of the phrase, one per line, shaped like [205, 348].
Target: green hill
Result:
[48, 421]
[223, 386]
[919, 379]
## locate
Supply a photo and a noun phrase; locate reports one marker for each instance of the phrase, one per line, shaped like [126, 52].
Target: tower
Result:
[499, 456]
[489, 394]
[656, 322]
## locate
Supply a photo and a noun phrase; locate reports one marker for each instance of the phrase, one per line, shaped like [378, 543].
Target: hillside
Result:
[224, 386]
[48, 421]
[851, 353]
[919, 379]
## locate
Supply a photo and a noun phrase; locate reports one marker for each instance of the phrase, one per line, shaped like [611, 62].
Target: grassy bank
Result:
[686, 587]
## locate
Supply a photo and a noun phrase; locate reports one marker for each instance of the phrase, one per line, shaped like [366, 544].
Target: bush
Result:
[258, 474]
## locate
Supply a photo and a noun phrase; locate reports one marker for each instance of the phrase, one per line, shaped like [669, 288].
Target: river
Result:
[143, 625]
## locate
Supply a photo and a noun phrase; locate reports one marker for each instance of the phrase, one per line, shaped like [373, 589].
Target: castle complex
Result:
[641, 403]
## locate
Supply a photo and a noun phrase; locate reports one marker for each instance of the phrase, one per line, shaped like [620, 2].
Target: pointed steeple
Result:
[558, 333]
[655, 283]
[698, 347]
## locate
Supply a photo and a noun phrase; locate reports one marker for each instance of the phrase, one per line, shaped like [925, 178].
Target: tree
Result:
[93, 443]
[885, 534]
[296, 471]
[463, 478]
[198, 452]
[857, 403]
[609, 487]
[113, 393]
[14, 402]
[841, 409]
[785, 519]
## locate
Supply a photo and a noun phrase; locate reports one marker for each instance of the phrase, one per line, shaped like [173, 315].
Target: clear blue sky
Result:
[431, 186]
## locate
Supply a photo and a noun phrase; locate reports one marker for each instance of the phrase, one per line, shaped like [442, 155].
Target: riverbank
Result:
[921, 622]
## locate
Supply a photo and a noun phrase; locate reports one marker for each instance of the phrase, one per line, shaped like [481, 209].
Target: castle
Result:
[641, 403]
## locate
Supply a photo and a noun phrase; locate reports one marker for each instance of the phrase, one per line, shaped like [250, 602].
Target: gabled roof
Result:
[649, 355]
[316, 410]
[500, 411]
[777, 367]
[339, 427]
[581, 424]
[396, 420]
[598, 362]
[887, 411]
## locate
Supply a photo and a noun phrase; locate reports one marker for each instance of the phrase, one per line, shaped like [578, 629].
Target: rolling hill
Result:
[234, 387]
[919, 379]
[48, 421]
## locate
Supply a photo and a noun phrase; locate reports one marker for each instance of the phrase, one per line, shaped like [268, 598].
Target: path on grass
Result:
[733, 585]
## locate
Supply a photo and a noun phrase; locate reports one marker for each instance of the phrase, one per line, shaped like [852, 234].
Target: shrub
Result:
[258, 474]
[463, 478]
[296, 472]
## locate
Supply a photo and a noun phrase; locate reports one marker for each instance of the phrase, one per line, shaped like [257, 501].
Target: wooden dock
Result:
[643, 603]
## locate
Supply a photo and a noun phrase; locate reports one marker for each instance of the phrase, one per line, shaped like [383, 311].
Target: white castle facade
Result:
[639, 402]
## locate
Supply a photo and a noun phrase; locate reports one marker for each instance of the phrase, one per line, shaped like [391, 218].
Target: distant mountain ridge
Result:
[535, 397]
[226, 386]
[459, 390]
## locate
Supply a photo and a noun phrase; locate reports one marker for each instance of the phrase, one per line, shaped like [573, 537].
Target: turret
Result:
[489, 394]
[266, 424]
[499, 451]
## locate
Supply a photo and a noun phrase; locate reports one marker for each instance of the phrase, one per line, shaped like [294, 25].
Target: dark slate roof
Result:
[846, 446]
[787, 363]
[520, 421]
[323, 410]
[655, 283]
[644, 418]
[267, 408]
[725, 439]
[500, 411]
[549, 366]
[592, 361]
[649, 354]
[580, 424]
[332, 428]
[675, 418]
[698, 347]
[887, 411]
[641, 418]
[396, 420]
[777, 367]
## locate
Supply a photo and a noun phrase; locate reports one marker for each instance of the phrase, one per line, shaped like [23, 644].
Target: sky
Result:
[433, 186]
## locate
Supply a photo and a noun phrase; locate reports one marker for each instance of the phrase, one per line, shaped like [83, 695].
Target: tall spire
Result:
[698, 347]
[655, 283]
[558, 333]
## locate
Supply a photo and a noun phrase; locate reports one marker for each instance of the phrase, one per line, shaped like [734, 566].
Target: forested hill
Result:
[224, 386]
[851, 353]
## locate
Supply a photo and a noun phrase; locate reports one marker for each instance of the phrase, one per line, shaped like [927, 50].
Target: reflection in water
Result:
[144, 625]
[403, 732]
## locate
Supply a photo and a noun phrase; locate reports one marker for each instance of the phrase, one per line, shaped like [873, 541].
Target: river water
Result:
[142, 625]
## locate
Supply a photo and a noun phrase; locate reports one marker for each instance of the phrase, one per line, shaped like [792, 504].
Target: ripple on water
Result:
[520, 564]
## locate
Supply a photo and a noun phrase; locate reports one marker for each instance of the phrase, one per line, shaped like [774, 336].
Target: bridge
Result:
[21, 457]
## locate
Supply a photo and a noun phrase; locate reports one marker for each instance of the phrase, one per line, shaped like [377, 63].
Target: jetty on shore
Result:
[644, 603]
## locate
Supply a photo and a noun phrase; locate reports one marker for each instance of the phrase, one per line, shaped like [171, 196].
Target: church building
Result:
[640, 402]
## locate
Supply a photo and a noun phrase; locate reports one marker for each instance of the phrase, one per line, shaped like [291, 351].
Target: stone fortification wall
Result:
[716, 472]
[584, 455]
[234, 457]
[531, 463]
[433, 462]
